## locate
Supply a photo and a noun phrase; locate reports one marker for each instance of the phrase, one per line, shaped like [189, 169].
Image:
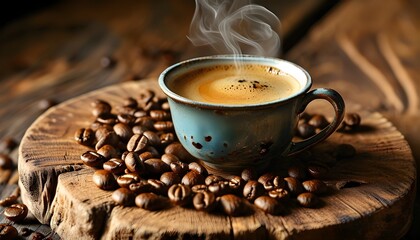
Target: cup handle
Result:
[336, 101]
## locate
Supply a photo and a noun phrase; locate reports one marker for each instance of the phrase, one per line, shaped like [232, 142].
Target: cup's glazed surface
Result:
[232, 137]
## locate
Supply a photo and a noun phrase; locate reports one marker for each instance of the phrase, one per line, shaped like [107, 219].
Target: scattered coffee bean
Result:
[199, 188]
[5, 161]
[317, 170]
[123, 131]
[305, 130]
[129, 178]
[204, 201]
[279, 194]
[296, 171]
[219, 188]
[308, 199]
[37, 236]
[137, 143]
[146, 155]
[140, 187]
[179, 168]
[169, 158]
[123, 196]
[104, 180]
[268, 205]
[102, 131]
[210, 179]
[192, 178]
[16, 212]
[163, 125]
[160, 115]
[248, 174]
[315, 186]
[108, 151]
[167, 138]
[8, 200]
[25, 232]
[271, 181]
[93, 159]
[152, 137]
[179, 194]
[110, 138]
[236, 184]
[84, 136]
[178, 150]
[133, 163]
[155, 166]
[100, 107]
[170, 178]
[232, 205]
[151, 201]
[8, 232]
[252, 190]
[194, 166]
[114, 165]
[294, 185]
[351, 120]
[158, 186]
[318, 121]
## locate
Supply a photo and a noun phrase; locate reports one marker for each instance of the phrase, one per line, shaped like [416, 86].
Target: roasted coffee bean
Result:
[25, 232]
[192, 178]
[8, 232]
[153, 138]
[155, 166]
[129, 178]
[146, 122]
[170, 178]
[104, 180]
[180, 194]
[199, 188]
[130, 102]
[160, 115]
[178, 150]
[236, 184]
[93, 159]
[308, 199]
[252, 190]
[315, 186]
[139, 129]
[16, 212]
[318, 121]
[305, 116]
[133, 163]
[153, 151]
[7, 145]
[165, 106]
[294, 185]
[167, 138]
[210, 179]
[126, 118]
[8, 200]
[107, 118]
[137, 143]
[5, 161]
[200, 169]
[249, 174]
[102, 131]
[146, 155]
[351, 120]
[151, 201]
[344, 151]
[219, 188]
[108, 151]
[169, 158]
[317, 170]
[123, 196]
[37, 236]
[305, 130]
[123, 131]
[114, 165]
[204, 201]
[232, 205]
[268, 205]
[110, 138]
[140, 187]
[296, 171]
[146, 96]
[164, 126]
[279, 194]
[100, 107]
[271, 181]
[158, 186]
[179, 168]
[84, 136]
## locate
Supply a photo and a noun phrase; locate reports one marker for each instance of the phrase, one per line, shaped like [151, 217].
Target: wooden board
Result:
[58, 189]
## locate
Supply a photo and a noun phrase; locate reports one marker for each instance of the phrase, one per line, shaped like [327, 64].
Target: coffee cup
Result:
[239, 112]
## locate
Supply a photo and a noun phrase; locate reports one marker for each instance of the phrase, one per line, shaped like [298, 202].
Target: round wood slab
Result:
[372, 198]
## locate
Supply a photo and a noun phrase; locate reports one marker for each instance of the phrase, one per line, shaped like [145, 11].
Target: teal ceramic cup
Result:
[229, 138]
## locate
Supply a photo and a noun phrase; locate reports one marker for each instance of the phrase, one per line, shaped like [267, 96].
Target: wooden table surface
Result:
[367, 50]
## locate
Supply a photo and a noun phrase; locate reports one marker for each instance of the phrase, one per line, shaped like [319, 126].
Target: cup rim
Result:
[248, 58]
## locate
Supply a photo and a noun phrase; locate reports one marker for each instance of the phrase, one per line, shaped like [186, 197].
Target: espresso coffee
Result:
[225, 84]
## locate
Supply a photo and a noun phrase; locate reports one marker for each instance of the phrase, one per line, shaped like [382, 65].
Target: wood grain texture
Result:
[58, 188]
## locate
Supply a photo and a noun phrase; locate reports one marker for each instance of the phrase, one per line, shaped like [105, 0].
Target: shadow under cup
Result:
[229, 138]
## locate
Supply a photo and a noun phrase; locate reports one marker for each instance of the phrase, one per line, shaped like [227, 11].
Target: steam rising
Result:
[235, 27]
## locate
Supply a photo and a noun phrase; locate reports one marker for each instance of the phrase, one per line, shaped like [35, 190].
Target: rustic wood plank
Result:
[58, 188]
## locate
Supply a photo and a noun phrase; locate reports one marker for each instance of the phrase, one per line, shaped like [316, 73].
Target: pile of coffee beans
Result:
[135, 154]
